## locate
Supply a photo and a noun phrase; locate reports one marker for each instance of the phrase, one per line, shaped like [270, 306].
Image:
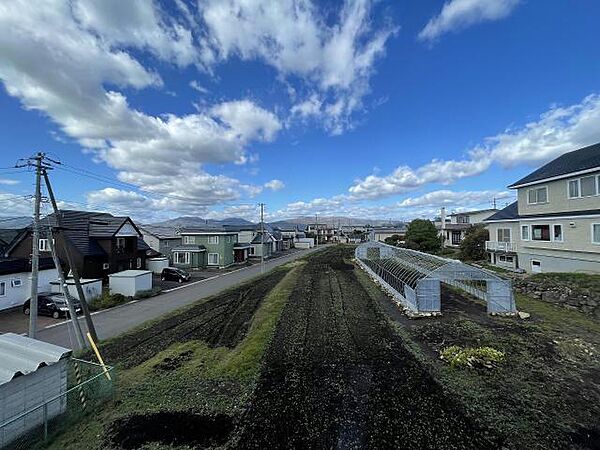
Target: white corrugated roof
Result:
[20, 355]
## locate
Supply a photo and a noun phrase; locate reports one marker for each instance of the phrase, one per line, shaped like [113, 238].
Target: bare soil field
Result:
[337, 376]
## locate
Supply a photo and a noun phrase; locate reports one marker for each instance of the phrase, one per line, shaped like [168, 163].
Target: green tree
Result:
[394, 239]
[472, 247]
[422, 235]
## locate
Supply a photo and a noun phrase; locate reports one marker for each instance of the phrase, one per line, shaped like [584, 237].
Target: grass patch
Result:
[189, 376]
[576, 281]
[472, 358]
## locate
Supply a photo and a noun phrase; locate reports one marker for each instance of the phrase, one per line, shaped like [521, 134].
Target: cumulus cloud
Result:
[275, 185]
[292, 37]
[9, 181]
[14, 205]
[455, 199]
[557, 131]
[460, 14]
[58, 59]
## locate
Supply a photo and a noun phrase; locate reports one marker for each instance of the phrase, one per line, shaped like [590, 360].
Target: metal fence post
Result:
[46, 421]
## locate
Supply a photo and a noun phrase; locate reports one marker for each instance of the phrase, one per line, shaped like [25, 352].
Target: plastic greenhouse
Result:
[414, 279]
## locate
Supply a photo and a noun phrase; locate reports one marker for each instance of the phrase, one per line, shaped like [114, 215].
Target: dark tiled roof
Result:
[575, 161]
[257, 239]
[161, 232]
[105, 226]
[18, 265]
[7, 236]
[510, 212]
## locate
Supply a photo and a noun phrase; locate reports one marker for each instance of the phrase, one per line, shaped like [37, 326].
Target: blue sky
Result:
[385, 109]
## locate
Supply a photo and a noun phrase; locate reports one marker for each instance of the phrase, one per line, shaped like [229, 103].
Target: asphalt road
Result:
[114, 321]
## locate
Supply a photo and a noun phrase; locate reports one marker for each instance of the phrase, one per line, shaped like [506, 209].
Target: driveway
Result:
[114, 321]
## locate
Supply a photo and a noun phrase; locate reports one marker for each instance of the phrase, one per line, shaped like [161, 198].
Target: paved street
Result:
[115, 321]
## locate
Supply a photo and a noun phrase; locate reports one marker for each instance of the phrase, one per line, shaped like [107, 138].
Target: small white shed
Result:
[92, 288]
[31, 373]
[130, 282]
[156, 265]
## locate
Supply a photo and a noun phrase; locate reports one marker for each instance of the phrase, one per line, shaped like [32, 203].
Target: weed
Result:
[472, 358]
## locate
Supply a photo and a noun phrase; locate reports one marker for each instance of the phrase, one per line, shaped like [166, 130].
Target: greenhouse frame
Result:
[414, 279]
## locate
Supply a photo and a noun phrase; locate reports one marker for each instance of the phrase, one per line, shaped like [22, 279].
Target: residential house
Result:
[323, 231]
[454, 231]
[99, 243]
[380, 234]
[263, 246]
[160, 238]
[288, 236]
[15, 280]
[205, 247]
[554, 226]
[7, 236]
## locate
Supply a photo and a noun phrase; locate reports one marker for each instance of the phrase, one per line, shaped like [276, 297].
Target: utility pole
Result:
[63, 285]
[262, 238]
[317, 230]
[35, 247]
[84, 306]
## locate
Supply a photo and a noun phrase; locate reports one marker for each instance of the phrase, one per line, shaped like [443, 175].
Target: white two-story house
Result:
[555, 224]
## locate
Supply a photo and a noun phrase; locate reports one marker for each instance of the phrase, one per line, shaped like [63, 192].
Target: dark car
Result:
[175, 274]
[51, 304]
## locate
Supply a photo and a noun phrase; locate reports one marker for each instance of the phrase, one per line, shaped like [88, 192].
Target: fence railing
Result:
[495, 246]
[89, 385]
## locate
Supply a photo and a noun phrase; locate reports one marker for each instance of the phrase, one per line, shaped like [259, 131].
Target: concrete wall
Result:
[558, 199]
[91, 288]
[26, 392]
[130, 286]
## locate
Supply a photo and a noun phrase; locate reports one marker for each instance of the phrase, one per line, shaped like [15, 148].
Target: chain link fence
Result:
[89, 385]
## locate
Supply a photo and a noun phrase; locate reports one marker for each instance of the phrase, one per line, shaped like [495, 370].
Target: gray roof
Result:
[583, 159]
[508, 213]
[477, 211]
[20, 355]
[161, 231]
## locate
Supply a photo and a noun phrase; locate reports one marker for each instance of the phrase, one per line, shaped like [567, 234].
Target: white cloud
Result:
[198, 87]
[9, 181]
[14, 205]
[275, 185]
[455, 199]
[557, 131]
[58, 60]
[460, 14]
[291, 36]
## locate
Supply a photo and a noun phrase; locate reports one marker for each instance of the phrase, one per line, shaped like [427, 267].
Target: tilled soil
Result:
[336, 376]
[221, 321]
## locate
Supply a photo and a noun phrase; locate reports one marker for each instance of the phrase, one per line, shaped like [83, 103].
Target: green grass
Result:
[577, 281]
[203, 379]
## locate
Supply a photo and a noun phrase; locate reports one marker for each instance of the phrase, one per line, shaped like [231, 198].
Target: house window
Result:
[2, 288]
[16, 282]
[120, 242]
[504, 235]
[213, 239]
[456, 238]
[588, 186]
[506, 259]
[213, 259]
[181, 257]
[557, 232]
[462, 219]
[596, 233]
[540, 232]
[138, 263]
[537, 195]
[536, 266]
[105, 266]
[43, 245]
[251, 252]
[573, 188]
[525, 232]
[188, 240]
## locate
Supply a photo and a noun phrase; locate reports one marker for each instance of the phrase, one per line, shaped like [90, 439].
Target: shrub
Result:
[107, 300]
[149, 293]
[422, 235]
[472, 248]
[479, 357]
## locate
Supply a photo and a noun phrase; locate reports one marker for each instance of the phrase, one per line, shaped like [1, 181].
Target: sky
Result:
[367, 109]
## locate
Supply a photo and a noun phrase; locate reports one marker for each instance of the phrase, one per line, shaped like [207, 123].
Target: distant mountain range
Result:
[191, 221]
[15, 222]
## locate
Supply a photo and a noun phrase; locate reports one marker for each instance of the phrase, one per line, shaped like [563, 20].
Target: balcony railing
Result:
[494, 246]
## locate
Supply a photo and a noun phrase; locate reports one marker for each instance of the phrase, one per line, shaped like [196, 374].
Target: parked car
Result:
[174, 274]
[51, 304]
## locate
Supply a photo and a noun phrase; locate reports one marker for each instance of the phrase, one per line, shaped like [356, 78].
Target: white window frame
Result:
[213, 239]
[597, 224]
[138, 263]
[208, 259]
[550, 232]
[536, 261]
[537, 202]
[119, 240]
[595, 186]
[509, 234]
[3, 290]
[528, 228]
[562, 233]
[43, 245]
[16, 282]
[578, 181]
[105, 266]
[186, 257]
[188, 240]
